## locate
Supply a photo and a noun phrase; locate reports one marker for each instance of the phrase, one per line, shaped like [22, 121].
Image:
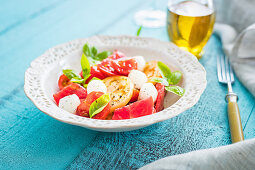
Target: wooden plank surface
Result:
[249, 130]
[31, 139]
[24, 11]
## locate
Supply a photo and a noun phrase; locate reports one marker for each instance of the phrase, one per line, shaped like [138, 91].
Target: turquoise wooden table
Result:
[30, 139]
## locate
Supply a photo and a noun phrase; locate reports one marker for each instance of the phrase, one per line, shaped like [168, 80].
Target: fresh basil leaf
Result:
[99, 104]
[176, 76]
[94, 78]
[69, 73]
[77, 80]
[93, 56]
[102, 55]
[93, 61]
[176, 90]
[139, 31]
[93, 51]
[164, 70]
[86, 77]
[85, 66]
[160, 80]
[86, 50]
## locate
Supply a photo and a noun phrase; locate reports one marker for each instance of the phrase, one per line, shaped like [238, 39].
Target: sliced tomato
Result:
[160, 98]
[124, 65]
[82, 100]
[72, 88]
[137, 109]
[63, 81]
[121, 113]
[95, 72]
[106, 68]
[83, 108]
[135, 95]
[116, 55]
[120, 89]
[151, 70]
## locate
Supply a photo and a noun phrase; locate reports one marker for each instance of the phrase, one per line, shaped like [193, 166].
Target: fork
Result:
[226, 76]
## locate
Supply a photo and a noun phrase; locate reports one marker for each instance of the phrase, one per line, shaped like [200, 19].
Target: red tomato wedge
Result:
[135, 95]
[116, 55]
[63, 81]
[160, 98]
[83, 108]
[95, 72]
[106, 68]
[72, 88]
[124, 65]
[137, 109]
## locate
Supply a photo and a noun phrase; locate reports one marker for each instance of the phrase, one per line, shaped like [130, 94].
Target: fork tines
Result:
[224, 69]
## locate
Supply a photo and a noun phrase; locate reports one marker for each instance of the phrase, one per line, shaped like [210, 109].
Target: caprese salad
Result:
[114, 86]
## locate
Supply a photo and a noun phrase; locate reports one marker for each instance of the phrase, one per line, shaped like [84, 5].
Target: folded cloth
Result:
[232, 157]
[238, 17]
[241, 52]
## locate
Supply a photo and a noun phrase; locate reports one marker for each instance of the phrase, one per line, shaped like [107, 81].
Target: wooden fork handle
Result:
[234, 119]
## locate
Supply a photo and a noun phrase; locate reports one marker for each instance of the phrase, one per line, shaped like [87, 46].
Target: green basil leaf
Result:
[94, 78]
[176, 90]
[99, 104]
[93, 56]
[93, 51]
[139, 31]
[69, 73]
[160, 80]
[86, 50]
[164, 70]
[85, 66]
[176, 76]
[77, 80]
[86, 77]
[93, 61]
[102, 55]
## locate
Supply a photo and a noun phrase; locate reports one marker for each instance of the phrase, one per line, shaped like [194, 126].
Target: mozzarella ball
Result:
[138, 78]
[69, 103]
[140, 62]
[147, 90]
[96, 85]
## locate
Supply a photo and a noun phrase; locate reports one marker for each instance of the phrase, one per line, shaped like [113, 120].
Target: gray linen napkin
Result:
[241, 52]
[238, 39]
[232, 157]
[238, 17]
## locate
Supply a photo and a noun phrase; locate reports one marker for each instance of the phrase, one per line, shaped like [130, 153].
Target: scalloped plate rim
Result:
[118, 125]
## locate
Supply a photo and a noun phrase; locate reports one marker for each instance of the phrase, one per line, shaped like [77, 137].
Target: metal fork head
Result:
[224, 70]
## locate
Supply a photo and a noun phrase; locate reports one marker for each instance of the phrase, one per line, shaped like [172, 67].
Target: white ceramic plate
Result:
[42, 76]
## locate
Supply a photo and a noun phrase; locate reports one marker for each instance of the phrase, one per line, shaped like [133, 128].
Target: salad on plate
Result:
[113, 86]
